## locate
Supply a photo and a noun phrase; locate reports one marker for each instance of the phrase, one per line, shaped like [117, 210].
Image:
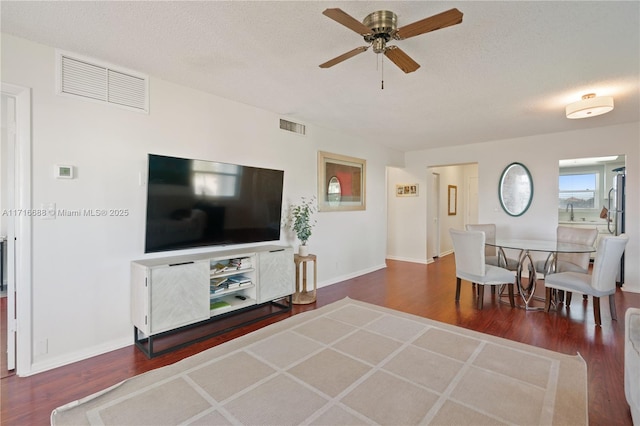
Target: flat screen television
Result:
[195, 203]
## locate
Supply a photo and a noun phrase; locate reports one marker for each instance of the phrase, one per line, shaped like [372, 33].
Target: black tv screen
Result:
[195, 203]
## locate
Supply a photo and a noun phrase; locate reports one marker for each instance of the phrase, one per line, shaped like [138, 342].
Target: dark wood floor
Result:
[425, 290]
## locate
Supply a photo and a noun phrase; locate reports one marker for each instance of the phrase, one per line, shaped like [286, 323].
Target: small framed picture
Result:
[407, 190]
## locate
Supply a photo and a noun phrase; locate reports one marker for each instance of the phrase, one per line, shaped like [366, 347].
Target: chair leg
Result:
[596, 310]
[568, 302]
[457, 289]
[480, 296]
[612, 307]
[547, 299]
[493, 289]
[512, 301]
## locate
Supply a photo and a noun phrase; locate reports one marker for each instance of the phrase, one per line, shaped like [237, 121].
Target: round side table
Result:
[302, 296]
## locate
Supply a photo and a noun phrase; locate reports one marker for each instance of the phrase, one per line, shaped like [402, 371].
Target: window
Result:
[578, 190]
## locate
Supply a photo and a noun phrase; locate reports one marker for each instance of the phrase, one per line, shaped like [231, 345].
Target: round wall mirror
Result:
[516, 189]
[334, 192]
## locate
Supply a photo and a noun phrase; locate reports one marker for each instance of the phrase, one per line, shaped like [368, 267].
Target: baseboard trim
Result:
[352, 275]
[411, 259]
[70, 358]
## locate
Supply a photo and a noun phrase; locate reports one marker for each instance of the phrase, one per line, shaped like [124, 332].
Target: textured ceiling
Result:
[506, 71]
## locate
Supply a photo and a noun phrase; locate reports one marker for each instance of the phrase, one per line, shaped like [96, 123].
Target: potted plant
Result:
[301, 223]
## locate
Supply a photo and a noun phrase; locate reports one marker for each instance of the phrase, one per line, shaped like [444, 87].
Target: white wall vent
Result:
[90, 79]
[292, 127]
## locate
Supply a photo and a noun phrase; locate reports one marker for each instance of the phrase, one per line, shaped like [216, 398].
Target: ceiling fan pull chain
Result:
[382, 72]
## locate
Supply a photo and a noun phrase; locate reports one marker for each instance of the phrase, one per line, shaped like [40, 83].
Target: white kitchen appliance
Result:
[616, 215]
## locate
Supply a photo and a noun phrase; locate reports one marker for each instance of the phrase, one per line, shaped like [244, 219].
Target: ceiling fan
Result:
[379, 27]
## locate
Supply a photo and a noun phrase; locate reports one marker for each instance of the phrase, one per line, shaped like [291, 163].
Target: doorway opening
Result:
[15, 181]
[440, 215]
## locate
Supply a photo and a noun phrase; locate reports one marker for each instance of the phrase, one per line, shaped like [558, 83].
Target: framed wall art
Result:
[452, 200]
[407, 190]
[341, 182]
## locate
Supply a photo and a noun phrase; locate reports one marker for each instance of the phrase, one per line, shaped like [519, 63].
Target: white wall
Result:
[403, 238]
[408, 235]
[80, 286]
[540, 154]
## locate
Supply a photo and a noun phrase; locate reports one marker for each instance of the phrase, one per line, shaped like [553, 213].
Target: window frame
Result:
[597, 191]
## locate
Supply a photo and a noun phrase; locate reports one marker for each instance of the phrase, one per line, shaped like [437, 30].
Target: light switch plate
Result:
[50, 209]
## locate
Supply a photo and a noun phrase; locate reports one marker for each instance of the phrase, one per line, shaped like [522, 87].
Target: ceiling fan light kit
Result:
[380, 27]
[589, 106]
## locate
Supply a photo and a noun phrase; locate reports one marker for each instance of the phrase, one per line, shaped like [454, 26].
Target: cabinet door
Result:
[179, 295]
[276, 274]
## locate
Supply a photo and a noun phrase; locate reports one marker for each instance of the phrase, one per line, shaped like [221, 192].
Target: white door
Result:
[17, 187]
[433, 217]
[7, 228]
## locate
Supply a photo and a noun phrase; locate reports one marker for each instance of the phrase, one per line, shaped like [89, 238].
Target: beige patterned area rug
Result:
[350, 363]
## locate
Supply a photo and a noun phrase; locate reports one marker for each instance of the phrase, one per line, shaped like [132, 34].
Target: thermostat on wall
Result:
[64, 172]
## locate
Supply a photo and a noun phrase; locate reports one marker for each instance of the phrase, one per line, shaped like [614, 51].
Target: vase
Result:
[303, 250]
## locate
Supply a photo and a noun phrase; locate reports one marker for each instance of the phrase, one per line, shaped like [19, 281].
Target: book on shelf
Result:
[241, 263]
[218, 304]
[216, 290]
[222, 267]
[217, 282]
[239, 279]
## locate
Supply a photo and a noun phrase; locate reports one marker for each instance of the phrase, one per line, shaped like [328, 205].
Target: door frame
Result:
[433, 216]
[471, 205]
[21, 230]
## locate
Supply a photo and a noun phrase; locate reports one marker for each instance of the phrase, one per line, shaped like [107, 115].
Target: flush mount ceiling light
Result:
[590, 106]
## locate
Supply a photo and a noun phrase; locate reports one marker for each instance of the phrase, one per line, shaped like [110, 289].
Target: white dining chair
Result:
[570, 262]
[491, 252]
[601, 282]
[468, 249]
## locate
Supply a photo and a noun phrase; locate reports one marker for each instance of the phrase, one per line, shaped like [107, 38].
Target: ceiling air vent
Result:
[292, 127]
[89, 79]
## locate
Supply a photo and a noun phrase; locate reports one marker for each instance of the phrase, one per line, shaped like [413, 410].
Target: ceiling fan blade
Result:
[401, 59]
[432, 23]
[347, 20]
[344, 57]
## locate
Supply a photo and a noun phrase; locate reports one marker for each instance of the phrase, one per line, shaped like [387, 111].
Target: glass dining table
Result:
[525, 247]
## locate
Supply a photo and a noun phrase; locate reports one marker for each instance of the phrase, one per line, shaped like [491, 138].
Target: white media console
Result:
[171, 294]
